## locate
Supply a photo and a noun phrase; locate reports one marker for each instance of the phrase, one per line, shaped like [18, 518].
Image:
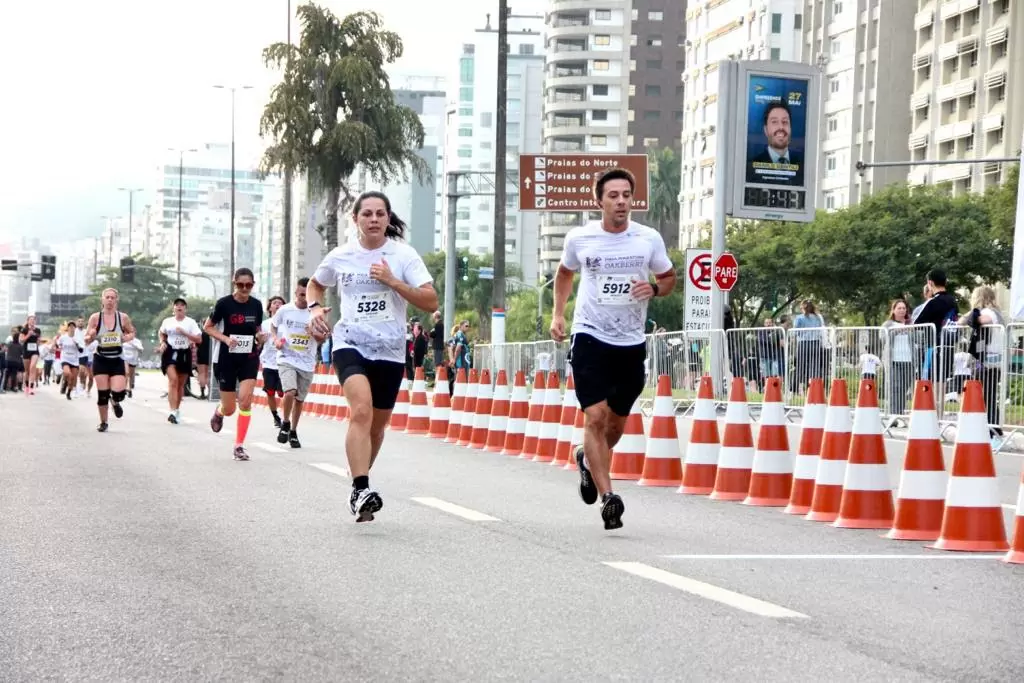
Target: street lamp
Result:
[232, 88]
[110, 238]
[181, 170]
[131, 196]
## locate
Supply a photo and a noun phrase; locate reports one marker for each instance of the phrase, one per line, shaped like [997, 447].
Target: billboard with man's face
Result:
[776, 130]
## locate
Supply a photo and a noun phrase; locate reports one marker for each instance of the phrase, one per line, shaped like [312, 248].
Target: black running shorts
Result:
[112, 367]
[603, 372]
[272, 382]
[179, 359]
[234, 371]
[203, 350]
[385, 376]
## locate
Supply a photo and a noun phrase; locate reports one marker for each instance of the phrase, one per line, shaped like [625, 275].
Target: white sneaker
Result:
[363, 503]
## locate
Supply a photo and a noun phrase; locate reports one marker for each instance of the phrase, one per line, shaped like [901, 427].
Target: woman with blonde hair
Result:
[987, 342]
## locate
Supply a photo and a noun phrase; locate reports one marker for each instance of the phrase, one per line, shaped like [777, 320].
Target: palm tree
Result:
[334, 112]
[663, 211]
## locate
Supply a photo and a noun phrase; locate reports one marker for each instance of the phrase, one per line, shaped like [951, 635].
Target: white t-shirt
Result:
[869, 363]
[80, 338]
[963, 362]
[299, 350]
[609, 263]
[175, 339]
[268, 354]
[131, 351]
[69, 352]
[373, 315]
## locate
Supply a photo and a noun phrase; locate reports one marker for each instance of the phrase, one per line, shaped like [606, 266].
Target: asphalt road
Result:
[147, 553]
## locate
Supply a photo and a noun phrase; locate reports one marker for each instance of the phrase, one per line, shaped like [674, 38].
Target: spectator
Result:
[939, 311]
[437, 341]
[419, 345]
[809, 325]
[986, 346]
[900, 352]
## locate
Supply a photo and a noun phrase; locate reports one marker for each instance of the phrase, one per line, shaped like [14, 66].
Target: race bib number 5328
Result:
[372, 308]
[614, 290]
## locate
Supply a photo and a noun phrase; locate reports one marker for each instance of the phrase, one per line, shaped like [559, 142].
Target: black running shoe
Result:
[363, 503]
[293, 440]
[217, 421]
[612, 508]
[240, 453]
[588, 491]
[102, 427]
[172, 419]
[67, 395]
[118, 411]
[282, 433]
[277, 420]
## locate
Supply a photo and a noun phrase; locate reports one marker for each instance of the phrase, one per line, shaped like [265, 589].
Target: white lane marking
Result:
[457, 510]
[708, 591]
[270, 448]
[331, 469]
[936, 556]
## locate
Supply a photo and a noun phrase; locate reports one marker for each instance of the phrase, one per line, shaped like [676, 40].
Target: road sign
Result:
[565, 182]
[726, 272]
[486, 273]
[697, 308]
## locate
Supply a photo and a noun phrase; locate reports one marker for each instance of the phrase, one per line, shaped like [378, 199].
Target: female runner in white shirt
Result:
[377, 276]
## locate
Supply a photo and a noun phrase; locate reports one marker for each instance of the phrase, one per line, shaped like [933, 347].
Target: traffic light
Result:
[9, 264]
[463, 267]
[49, 268]
[127, 270]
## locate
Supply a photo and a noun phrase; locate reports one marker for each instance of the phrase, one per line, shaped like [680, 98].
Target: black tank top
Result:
[110, 344]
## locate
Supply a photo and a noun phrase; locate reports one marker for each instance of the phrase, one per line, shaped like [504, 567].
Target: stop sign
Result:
[726, 272]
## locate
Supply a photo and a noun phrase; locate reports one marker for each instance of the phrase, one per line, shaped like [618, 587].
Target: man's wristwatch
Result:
[654, 286]
[314, 304]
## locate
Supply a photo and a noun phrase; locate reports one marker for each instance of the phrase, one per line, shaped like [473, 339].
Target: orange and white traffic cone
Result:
[922, 494]
[499, 414]
[1016, 552]
[736, 456]
[973, 520]
[628, 454]
[835, 449]
[400, 415]
[866, 502]
[419, 411]
[518, 410]
[441, 410]
[484, 399]
[563, 444]
[805, 468]
[458, 407]
[469, 412]
[577, 440]
[702, 451]
[533, 420]
[771, 475]
[549, 420]
[662, 465]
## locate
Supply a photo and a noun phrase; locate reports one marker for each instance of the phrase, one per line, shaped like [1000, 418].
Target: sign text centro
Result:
[565, 182]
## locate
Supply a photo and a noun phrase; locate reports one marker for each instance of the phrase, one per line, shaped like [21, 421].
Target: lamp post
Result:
[110, 238]
[232, 88]
[181, 182]
[131, 197]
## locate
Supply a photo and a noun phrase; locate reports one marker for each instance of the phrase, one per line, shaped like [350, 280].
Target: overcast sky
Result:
[96, 91]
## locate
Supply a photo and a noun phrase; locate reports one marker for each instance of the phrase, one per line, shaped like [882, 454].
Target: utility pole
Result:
[231, 258]
[181, 194]
[500, 146]
[131, 196]
[286, 199]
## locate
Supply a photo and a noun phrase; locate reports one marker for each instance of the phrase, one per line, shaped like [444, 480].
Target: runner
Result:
[46, 356]
[132, 351]
[30, 342]
[177, 334]
[84, 360]
[376, 277]
[240, 317]
[615, 258]
[111, 330]
[70, 352]
[268, 361]
[296, 360]
[202, 358]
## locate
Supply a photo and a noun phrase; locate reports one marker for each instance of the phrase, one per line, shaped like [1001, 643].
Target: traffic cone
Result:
[1016, 552]
[518, 411]
[499, 414]
[866, 502]
[704, 445]
[469, 411]
[805, 469]
[835, 449]
[973, 520]
[533, 420]
[548, 434]
[922, 494]
[736, 456]
[441, 410]
[458, 407]
[400, 415]
[771, 475]
[419, 411]
[662, 466]
[628, 454]
[484, 399]
[563, 444]
[577, 439]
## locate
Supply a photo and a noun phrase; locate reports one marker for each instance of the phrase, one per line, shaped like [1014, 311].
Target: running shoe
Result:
[172, 419]
[293, 440]
[612, 508]
[118, 411]
[102, 427]
[282, 434]
[588, 491]
[277, 420]
[240, 453]
[217, 421]
[363, 503]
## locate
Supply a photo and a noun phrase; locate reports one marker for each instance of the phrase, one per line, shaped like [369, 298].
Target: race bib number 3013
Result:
[614, 290]
[372, 308]
[243, 343]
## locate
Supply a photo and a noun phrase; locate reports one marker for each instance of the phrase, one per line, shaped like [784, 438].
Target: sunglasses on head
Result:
[244, 285]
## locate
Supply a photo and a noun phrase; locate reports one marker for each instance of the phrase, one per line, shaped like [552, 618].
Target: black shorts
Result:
[179, 359]
[272, 382]
[84, 362]
[385, 376]
[112, 367]
[65, 364]
[233, 371]
[203, 351]
[603, 372]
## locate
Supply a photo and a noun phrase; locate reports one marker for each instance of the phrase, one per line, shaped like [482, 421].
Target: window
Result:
[462, 215]
[468, 48]
[776, 54]
[633, 40]
[836, 47]
[632, 89]
[833, 85]
[655, 15]
[837, 8]
[598, 140]
[602, 40]
[465, 153]
[600, 65]
[654, 41]
[653, 63]
[776, 23]
[512, 130]
[465, 111]
[465, 94]
[465, 131]
[652, 90]
[679, 116]
[830, 201]
[599, 115]
[798, 21]
[515, 82]
[526, 48]
[833, 124]
[680, 90]
[466, 70]
[651, 142]
[830, 163]
[601, 90]
[652, 115]
[514, 105]
[486, 119]
[603, 15]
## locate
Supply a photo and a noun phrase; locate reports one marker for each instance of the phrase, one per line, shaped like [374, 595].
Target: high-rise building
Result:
[20, 294]
[470, 134]
[968, 89]
[612, 85]
[307, 245]
[77, 263]
[863, 48]
[734, 29]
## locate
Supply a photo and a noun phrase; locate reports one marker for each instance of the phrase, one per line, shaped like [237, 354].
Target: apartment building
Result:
[968, 90]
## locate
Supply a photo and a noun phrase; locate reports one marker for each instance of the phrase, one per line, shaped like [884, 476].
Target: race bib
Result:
[244, 345]
[178, 341]
[110, 339]
[300, 343]
[372, 308]
[32, 346]
[614, 290]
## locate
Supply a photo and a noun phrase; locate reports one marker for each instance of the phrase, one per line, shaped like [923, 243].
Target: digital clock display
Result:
[774, 198]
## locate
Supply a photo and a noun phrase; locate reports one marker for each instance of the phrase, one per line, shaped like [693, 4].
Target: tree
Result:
[663, 206]
[142, 300]
[768, 252]
[334, 110]
[1001, 203]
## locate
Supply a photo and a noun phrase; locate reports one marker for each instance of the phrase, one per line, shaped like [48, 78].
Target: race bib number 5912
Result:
[614, 290]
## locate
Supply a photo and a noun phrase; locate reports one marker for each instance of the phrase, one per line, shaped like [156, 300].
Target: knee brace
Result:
[102, 397]
[119, 396]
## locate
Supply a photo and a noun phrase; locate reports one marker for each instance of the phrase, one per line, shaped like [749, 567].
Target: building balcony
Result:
[575, 106]
[995, 78]
[558, 56]
[575, 31]
[954, 131]
[573, 131]
[992, 122]
[951, 8]
[555, 7]
[920, 100]
[582, 80]
[954, 172]
[924, 18]
[955, 48]
[956, 89]
[997, 34]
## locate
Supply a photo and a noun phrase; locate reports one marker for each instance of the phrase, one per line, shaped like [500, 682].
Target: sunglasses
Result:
[244, 285]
